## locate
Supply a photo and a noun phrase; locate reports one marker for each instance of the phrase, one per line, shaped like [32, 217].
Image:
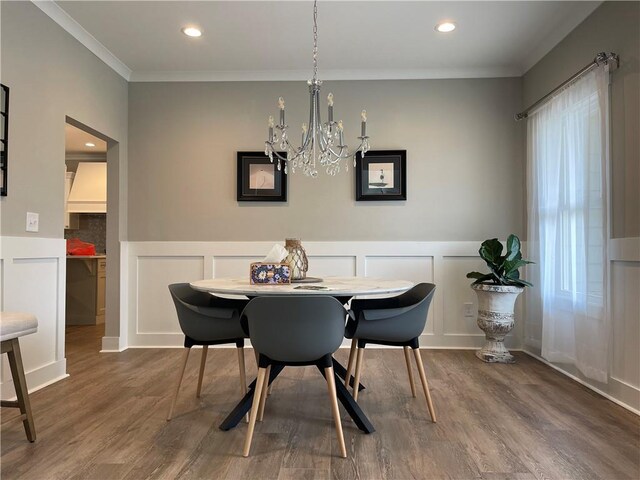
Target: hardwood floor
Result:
[495, 422]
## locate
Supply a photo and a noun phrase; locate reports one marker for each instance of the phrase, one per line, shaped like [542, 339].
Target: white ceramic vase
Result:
[496, 319]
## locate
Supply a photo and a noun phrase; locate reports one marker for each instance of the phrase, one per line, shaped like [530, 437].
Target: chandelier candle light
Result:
[321, 142]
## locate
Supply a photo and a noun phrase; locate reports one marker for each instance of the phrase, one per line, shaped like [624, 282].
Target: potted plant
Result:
[497, 292]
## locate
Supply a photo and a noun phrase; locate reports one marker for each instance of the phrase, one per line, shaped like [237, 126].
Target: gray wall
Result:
[614, 26]
[465, 161]
[51, 76]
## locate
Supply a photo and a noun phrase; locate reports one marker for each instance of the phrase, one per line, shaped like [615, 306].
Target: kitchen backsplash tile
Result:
[93, 229]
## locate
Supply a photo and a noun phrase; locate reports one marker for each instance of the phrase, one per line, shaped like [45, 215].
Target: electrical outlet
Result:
[33, 222]
[468, 309]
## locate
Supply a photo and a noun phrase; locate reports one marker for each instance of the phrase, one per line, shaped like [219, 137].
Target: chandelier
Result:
[322, 143]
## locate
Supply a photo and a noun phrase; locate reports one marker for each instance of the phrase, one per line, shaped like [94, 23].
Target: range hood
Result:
[89, 189]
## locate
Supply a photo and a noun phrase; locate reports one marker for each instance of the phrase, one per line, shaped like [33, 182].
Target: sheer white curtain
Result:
[567, 196]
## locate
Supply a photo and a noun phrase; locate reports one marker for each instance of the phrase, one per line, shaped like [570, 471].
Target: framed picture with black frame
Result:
[4, 138]
[259, 179]
[381, 175]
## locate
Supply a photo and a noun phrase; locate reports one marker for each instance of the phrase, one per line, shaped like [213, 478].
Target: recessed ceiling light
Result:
[192, 32]
[89, 144]
[445, 27]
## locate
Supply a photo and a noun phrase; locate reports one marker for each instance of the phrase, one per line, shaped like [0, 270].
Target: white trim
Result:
[112, 345]
[624, 249]
[77, 31]
[346, 344]
[40, 377]
[625, 384]
[143, 331]
[586, 384]
[15, 250]
[303, 75]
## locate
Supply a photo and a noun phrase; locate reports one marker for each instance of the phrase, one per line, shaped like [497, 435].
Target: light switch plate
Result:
[468, 309]
[33, 222]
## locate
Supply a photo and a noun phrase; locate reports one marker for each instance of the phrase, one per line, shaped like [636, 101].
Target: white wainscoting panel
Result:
[331, 266]
[153, 265]
[624, 374]
[233, 266]
[33, 280]
[623, 385]
[414, 268]
[156, 312]
[457, 292]
[625, 305]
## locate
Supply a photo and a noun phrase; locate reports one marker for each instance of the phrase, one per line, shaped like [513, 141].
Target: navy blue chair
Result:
[294, 331]
[207, 320]
[397, 321]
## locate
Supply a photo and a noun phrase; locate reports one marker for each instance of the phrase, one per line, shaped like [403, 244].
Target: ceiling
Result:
[75, 140]
[272, 40]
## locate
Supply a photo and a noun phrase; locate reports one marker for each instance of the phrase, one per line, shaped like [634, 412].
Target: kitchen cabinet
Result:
[71, 220]
[86, 289]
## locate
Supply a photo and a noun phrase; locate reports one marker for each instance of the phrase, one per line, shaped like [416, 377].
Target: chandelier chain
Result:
[315, 39]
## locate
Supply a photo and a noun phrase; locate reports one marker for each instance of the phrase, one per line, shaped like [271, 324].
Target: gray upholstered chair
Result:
[294, 331]
[397, 321]
[207, 320]
[14, 325]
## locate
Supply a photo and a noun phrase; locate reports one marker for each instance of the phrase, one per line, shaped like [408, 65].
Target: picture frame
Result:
[381, 175]
[4, 138]
[259, 179]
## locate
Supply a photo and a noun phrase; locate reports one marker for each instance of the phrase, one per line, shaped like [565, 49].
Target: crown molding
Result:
[303, 75]
[62, 18]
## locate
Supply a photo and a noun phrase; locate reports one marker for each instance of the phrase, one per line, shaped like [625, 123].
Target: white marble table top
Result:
[335, 286]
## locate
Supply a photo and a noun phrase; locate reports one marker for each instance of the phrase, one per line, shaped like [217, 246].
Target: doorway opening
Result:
[85, 229]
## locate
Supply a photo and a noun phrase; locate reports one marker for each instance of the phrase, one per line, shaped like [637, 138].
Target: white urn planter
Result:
[496, 319]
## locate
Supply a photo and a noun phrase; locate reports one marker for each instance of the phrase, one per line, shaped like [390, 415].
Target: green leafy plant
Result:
[504, 269]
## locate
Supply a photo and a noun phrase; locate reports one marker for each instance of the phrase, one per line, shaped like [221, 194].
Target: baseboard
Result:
[586, 384]
[427, 341]
[112, 345]
[38, 378]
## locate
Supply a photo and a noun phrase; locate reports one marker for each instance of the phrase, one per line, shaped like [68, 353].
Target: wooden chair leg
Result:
[243, 374]
[407, 359]
[270, 387]
[257, 395]
[352, 357]
[425, 385]
[185, 357]
[203, 362]
[356, 381]
[22, 393]
[263, 396]
[331, 386]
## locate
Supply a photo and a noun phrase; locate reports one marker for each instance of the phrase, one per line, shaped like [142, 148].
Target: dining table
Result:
[342, 288]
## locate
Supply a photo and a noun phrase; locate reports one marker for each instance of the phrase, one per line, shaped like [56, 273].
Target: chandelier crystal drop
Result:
[322, 143]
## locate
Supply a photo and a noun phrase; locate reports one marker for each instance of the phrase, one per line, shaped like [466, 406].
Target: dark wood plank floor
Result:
[495, 422]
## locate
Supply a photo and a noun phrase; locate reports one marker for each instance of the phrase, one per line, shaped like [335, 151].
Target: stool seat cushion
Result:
[17, 324]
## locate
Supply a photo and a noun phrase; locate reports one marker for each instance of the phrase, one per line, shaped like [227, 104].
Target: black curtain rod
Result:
[601, 58]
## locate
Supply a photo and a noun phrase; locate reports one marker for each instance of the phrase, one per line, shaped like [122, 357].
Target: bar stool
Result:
[12, 326]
